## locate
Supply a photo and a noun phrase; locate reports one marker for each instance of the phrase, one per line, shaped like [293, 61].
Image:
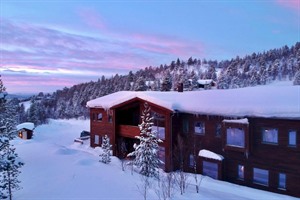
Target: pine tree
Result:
[167, 82]
[9, 162]
[297, 78]
[105, 156]
[140, 84]
[146, 153]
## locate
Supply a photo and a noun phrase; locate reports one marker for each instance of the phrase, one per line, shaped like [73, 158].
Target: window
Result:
[210, 169]
[185, 125]
[292, 138]
[282, 181]
[218, 130]
[109, 118]
[261, 176]
[99, 117]
[162, 156]
[200, 128]
[270, 136]
[158, 125]
[235, 137]
[192, 160]
[160, 132]
[241, 172]
[97, 139]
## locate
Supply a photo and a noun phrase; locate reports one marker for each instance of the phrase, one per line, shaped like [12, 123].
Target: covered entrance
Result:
[125, 146]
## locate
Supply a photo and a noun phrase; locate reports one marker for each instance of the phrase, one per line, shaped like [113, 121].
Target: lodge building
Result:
[247, 136]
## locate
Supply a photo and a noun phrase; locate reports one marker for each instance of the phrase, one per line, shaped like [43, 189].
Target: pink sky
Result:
[46, 46]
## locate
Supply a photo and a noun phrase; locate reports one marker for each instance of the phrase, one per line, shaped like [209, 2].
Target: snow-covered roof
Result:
[26, 125]
[205, 81]
[237, 121]
[209, 154]
[261, 101]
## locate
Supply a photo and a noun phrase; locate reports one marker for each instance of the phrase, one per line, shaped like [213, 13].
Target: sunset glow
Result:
[45, 46]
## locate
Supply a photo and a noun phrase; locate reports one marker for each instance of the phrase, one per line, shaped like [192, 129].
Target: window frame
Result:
[191, 160]
[98, 139]
[269, 142]
[159, 131]
[243, 137]
[99, 119]
[258, 182]
[110, 119]
[241, 172]
[202, 129]
[162, 156]
[280, 186]
[213, 164]
[218, 128]
[289, 137]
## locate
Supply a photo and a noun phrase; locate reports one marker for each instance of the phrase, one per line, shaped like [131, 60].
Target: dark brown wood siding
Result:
[180, 128]
[275, 158]
[193, 142]
[102, 127]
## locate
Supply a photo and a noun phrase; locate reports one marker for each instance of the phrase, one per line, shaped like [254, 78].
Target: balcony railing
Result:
[128, 131]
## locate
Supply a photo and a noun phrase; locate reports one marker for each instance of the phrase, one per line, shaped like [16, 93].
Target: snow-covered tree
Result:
[140, 84]
[9, 171]
[9, 162]
[167, 82]
[105, 156]
[297, 78]
[146, 153]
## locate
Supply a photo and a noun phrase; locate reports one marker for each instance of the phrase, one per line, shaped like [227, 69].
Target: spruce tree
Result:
[105, 156]
[9, 162]
[297, 78]
[146, 153]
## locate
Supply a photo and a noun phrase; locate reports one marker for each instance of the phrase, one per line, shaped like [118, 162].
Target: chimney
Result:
[180, 87]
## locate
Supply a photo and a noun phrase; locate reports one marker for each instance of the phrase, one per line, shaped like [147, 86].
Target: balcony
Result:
[128, 131]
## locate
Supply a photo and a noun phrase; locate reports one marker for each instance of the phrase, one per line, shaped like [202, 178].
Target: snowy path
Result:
[58, 169]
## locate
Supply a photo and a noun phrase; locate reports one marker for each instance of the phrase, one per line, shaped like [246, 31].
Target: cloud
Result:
[92, 18]
[291, 4]
[40, 50]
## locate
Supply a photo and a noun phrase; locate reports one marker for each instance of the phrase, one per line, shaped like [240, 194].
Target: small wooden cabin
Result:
[247, 136]
[205, 83]
[25, 130]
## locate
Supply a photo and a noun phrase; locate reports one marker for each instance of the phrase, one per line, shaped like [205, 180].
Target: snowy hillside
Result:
[57, 168]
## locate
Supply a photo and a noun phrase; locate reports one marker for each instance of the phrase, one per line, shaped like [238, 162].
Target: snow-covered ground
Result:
[56, 168]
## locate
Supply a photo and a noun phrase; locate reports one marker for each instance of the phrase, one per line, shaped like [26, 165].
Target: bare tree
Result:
[144, 186]
[166, 184]
[170, 179]
[181, 180]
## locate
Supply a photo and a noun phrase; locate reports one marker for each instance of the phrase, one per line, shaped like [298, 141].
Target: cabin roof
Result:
[205, 81]
[25, 125]
[261, 101]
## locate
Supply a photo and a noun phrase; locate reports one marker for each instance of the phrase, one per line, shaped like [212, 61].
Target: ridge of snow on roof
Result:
[260, 101]
[205, 81]
[237, 121]
[26, 125]
[209, 154]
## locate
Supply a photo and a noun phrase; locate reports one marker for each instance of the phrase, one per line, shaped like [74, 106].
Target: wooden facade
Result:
[263, 153]
[25, 134]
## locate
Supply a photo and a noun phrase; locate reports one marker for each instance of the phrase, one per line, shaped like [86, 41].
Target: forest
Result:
[255, 69]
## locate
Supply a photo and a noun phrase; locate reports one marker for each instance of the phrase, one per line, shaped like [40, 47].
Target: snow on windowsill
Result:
[237, 121]
[209, 154]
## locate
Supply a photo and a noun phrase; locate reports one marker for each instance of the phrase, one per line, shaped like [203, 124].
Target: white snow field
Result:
[56, 168]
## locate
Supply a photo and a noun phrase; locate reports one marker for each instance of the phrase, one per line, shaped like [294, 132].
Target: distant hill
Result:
[255, 69]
